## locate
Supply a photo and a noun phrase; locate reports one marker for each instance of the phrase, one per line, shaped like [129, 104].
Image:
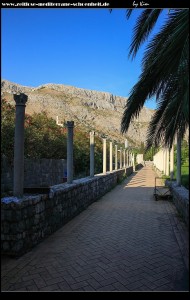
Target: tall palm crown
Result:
[165, 74]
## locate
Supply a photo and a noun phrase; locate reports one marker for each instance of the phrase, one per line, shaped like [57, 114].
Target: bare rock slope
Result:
[95, 110]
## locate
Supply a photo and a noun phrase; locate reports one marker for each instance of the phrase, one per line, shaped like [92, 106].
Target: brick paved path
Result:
[126, 241]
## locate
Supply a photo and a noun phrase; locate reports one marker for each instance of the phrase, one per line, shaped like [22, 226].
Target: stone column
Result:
[133, 161]
[115, 157]
[179, 160]
[127, 158]
[18, 180]
[167, 162]
[104, 155]
[70, 125]
[164, 162]
[172, 162]
[124, 164]
[92, 154]
[57, 120]
[121, 158]
[111, 158]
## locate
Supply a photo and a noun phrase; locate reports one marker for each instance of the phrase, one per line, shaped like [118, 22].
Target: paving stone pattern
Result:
[126, 241]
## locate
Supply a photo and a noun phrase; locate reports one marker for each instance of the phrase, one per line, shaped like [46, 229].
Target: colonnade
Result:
[164, 161]
[126, 158]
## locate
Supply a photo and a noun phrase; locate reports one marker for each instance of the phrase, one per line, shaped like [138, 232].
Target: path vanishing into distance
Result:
[125, 241]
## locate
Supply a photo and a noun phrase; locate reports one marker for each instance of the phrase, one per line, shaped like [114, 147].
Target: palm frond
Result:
[164, 74]
[167, 47]
[143, 28]
[172, 115]
[128, 13]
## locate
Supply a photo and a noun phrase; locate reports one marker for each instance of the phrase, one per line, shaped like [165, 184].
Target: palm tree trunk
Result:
[179, 160]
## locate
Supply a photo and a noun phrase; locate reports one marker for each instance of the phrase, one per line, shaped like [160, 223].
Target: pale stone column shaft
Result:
[104, 155]
[167, 162]
[70, 125]
[164, 162]
[18, 180]
[133, 161]
[172, 162]
[127, 158]
[111, 157]
[92, 154]
[115, 157]
[124, 153]
[121, 158]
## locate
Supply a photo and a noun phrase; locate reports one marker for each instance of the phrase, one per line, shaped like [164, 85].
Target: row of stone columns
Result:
[164, 161]
[130, 156]
[126, 157]
[161, 157]
[21, 100]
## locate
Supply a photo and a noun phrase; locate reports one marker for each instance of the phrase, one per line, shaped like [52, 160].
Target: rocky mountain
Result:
[92, 110]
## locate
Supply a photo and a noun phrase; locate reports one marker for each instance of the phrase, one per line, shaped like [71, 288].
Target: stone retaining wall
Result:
[181, 200]
[138, 167]
[26, 223]
[44, 172]
[129, 171]
[37, 173]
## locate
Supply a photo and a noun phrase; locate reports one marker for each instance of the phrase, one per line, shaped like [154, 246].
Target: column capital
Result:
[20, 99]
[70, 124]
[92, 133]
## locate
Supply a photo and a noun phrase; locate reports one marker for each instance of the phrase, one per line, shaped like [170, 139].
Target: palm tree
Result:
[164, 74]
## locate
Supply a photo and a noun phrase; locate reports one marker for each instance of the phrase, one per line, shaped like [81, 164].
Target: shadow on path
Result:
[126, 241]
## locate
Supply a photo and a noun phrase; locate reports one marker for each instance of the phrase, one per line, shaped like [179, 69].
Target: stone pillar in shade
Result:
[115, 157]
[92, 154]
[111, 158]
[104, 156]
[172, 162]
[179, 160]
[18, 181]
[121, 158]
[70, 126]
[124, 164]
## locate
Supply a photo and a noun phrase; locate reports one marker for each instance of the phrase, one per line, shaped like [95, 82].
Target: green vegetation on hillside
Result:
[45, 139]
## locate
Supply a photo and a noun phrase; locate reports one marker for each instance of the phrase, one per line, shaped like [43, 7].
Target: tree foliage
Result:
[165, 74]
[45, 139]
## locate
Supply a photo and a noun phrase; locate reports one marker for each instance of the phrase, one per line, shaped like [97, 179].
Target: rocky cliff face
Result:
[95, 110]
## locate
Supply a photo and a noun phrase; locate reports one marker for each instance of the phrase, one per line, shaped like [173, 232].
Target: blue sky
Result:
[86, 48]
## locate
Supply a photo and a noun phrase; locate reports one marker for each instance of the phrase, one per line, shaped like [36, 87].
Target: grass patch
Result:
[184, 175]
